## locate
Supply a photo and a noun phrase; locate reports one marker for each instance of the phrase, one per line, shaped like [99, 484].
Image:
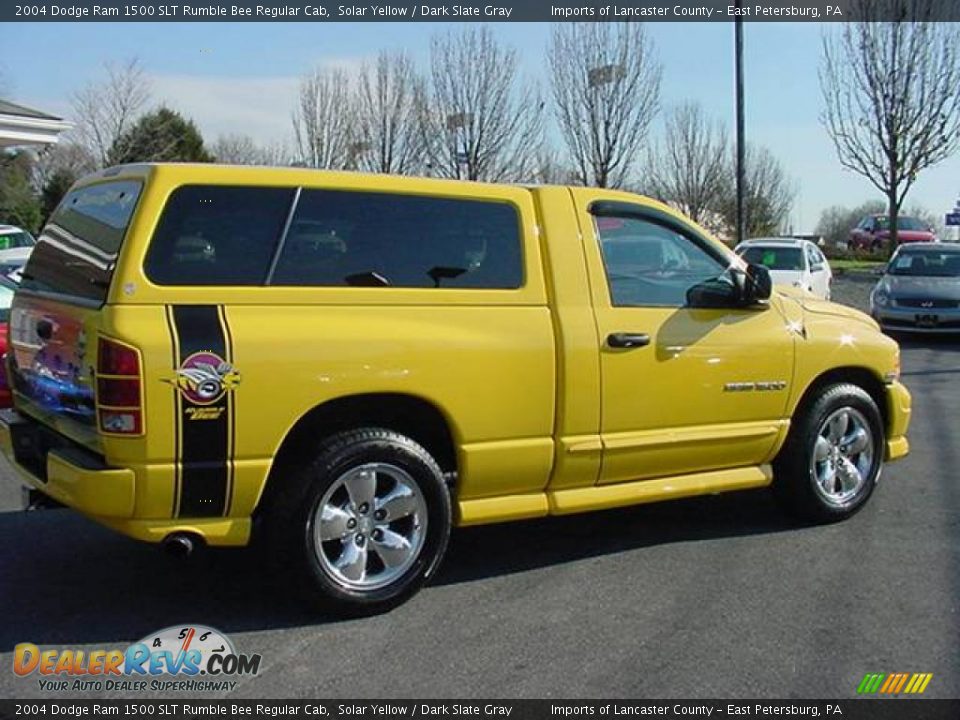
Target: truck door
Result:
[684, 389]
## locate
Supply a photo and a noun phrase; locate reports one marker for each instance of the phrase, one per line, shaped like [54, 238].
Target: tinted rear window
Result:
[77, 251]
[218, 235]
[339, 238]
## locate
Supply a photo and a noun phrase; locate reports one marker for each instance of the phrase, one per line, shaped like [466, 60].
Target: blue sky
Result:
[242, 78]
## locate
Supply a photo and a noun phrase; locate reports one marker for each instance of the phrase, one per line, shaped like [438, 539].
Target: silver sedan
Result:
[919, 290]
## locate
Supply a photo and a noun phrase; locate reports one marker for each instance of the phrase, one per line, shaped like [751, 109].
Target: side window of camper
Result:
[344, 238]
[211, 235]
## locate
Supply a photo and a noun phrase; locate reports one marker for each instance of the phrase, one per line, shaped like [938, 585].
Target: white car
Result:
[16, 244]
[791, 261]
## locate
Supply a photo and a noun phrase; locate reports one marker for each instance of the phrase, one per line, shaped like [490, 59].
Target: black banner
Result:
[494, 11]
[514, 709]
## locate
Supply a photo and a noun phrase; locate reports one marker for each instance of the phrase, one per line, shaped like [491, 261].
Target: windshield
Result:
[774, 258]
[18, 239]
[904, 223]
[927, 264]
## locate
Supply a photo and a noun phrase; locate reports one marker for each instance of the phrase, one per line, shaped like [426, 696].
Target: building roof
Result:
[9, 108]
[21, 126]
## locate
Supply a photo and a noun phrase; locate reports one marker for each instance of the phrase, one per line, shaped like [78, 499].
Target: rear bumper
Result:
[80, 479]
[898, 420]
[69, 474]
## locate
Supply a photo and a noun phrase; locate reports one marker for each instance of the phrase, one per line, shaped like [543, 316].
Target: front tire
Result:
[829, 466]
[367, 524]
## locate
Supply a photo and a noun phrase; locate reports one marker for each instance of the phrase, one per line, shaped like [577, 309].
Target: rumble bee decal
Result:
[205, 377]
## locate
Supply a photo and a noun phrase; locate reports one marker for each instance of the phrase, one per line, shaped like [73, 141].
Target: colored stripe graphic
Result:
[894, 683]
[204, 445]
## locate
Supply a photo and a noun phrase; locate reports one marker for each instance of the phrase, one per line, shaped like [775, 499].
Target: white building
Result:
[23, 126]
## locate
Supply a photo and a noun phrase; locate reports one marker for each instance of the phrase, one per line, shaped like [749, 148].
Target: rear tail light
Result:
[119, 391]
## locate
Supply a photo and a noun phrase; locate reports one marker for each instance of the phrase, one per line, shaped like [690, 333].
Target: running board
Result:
[601, 497]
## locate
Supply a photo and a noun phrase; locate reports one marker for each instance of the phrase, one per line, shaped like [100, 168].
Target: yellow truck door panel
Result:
[684, 389]
[689, 401]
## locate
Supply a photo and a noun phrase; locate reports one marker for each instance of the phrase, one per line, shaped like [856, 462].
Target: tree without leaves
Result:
[549, 168]
[65, 158]
[57, 168]
[688, 169]
[477, 124]
[243, 150]
[389, 98]
[892, 94]
[324, 121]
[104, 111]
[606, 91]
[160, 136]
[837, 221]
[768, 194]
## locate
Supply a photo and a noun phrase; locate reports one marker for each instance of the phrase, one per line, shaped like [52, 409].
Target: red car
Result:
[873, 232]
[7, 288]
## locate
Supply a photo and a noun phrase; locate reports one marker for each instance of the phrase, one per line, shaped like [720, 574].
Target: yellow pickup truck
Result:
[348, 365]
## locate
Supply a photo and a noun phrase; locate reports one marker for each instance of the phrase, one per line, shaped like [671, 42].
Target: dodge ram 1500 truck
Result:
[348, 365]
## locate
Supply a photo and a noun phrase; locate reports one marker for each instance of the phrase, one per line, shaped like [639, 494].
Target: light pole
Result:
[741, 147]
[597, 77]
[457, 124]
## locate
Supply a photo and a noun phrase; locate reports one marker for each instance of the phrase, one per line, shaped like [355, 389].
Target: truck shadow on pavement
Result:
[67, 581]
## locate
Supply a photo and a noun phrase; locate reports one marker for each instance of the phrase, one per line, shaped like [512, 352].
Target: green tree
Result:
[54, 189]
[160, 136]
[19, 204]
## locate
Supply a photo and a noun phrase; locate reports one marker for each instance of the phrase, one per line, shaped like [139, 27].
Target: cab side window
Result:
[649, 264]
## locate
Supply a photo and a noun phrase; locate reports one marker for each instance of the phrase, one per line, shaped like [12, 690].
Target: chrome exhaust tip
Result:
[181, 544]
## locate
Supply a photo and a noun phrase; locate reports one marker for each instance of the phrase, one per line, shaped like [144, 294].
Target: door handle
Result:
[628, 340]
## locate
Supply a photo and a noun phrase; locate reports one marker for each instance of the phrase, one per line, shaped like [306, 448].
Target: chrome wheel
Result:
[369, 526]
[843, 456]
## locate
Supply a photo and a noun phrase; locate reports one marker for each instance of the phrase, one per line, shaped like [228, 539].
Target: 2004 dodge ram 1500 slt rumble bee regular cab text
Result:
[348, 365]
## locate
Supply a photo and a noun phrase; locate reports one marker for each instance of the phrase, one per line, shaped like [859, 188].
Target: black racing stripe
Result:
[175, 349]
[204, 448]
[231, 415]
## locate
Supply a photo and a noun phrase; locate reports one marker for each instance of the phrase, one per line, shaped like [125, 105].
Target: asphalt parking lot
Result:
[711, 597]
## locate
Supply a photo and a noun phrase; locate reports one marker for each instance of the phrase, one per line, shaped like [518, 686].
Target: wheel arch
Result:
[415, 417]
[860, 376]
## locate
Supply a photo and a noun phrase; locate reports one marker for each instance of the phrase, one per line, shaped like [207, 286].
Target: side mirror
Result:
[717, 292]
[758, 285]
[732, 290]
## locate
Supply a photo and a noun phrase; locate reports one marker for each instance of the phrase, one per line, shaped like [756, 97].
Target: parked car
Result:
[16, 245]
[919, 290]
[873, 232]
[791, 261]
[346, 366]
[7, 288]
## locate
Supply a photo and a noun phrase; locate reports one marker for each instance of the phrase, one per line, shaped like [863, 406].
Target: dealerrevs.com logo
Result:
[181, 657]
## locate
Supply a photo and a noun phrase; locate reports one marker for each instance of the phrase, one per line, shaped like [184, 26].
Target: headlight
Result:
[881, 298]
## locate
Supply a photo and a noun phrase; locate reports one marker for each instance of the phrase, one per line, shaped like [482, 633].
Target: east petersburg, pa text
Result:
[688, 11]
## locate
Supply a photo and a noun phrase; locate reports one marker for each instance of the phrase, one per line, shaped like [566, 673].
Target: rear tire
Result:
[365, 523]
[830, 463]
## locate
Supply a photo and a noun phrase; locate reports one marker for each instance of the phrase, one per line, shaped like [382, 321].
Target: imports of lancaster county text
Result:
[694, 12]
